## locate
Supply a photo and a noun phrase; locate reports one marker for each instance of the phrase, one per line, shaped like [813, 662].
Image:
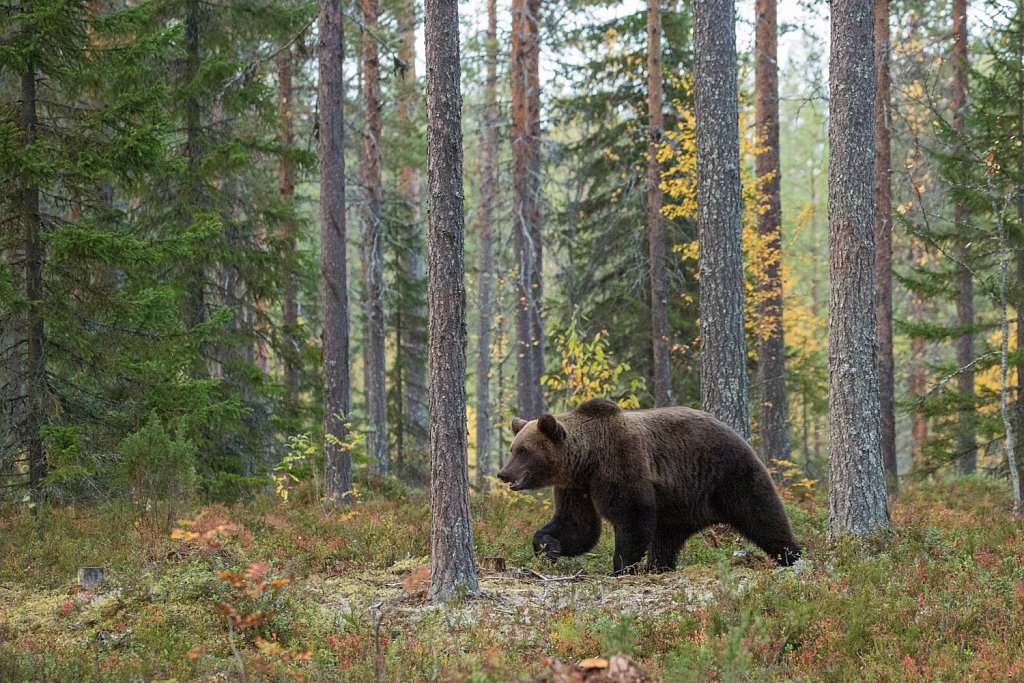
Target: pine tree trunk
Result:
[195, 303]
[337, 397]
[883, 243]
[488, 192]
[374, 363]
[719, 215]
[451, 539]
[526, 207]
[413, 343]
[35, 361]
[655, 225]
[286, 188]
[857, 497]
[967, 441]
[771, 366]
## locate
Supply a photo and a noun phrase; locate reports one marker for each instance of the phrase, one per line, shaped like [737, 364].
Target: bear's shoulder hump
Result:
[598, 407]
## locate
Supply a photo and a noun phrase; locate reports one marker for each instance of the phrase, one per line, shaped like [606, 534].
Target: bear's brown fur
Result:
[658, 476]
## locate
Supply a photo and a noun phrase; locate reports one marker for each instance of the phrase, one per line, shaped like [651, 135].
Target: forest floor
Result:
[268, 591]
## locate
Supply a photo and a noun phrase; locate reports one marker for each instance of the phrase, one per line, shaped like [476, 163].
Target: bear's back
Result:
[685, 444]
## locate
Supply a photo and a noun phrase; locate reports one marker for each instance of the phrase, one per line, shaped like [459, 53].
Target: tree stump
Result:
[90, 577]
[492, 564]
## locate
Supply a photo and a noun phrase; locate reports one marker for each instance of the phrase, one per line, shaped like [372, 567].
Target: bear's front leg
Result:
[573, 530]
[632, 541]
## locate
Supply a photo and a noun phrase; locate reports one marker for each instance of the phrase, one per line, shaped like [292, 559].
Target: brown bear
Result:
[658, 476]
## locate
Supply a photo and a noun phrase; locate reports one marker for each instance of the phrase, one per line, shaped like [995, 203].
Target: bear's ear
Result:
[550, 428]
[517, 424]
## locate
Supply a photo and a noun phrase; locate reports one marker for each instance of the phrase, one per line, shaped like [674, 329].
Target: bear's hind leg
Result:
[755, 510]
[665, 548]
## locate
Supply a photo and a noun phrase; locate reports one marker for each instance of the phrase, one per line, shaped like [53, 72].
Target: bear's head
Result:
[537, 454]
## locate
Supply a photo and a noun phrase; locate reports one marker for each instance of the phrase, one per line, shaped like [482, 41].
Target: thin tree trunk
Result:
[1020, 250]
[883, 244]
[723, 385]
[917, 379]
[413, 345]
[451, 538]
[526, 208]
[337, 397]
[1004, 402]
[655, 225]
[35, 365]
[286, 188]
[771, 366]
[857, 497]
[967, 441]
[374, 362]
[489, 185]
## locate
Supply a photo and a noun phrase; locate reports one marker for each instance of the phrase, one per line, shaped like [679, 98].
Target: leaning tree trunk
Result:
[966, 422]
[374, 363]
[857, 497]
[771, 365]
[286, 189]
[526, 206]
[883, 243]
[655, 224]
[333, 275]
[412, 346]
[723, 385]
[489, 185]
[35, 360]
[451, 538]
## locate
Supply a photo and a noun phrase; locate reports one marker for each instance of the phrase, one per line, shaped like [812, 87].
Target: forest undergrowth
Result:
[279, 591]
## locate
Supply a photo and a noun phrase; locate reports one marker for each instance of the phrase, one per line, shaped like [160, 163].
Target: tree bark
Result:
[35, 360]
[413, 332]
[286, 188]
[966, 422]
[195, 304]
[883, 244]
[488, 194]
[655, 224]
[857, 496]
[451, 539]
[771, 366]
[526, 208]
[374, 362]
[337, 397]
[1020, 249]
[719, 215]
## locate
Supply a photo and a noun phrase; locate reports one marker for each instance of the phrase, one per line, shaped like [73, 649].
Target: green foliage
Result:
[157, 469]
[589, 371]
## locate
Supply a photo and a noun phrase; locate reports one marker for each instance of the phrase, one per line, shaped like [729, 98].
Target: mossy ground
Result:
[942, 600]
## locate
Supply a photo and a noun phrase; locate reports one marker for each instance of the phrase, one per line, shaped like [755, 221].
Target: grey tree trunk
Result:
[286, 188]
[723, 386]
[488, 194]
[374, 361]
[337, 397]
[967, 420]
[526, 206]
[413, 325]
[195, 303]
[1020, 251]
[857, 497]
[451, 539]
[35, 360]
[655, 224]
[771, 364]
[883, 244]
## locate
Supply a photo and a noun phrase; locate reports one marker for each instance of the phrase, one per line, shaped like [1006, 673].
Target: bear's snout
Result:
[504, 476]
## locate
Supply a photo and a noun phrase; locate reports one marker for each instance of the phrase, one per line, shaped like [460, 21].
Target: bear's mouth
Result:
[520, 483]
